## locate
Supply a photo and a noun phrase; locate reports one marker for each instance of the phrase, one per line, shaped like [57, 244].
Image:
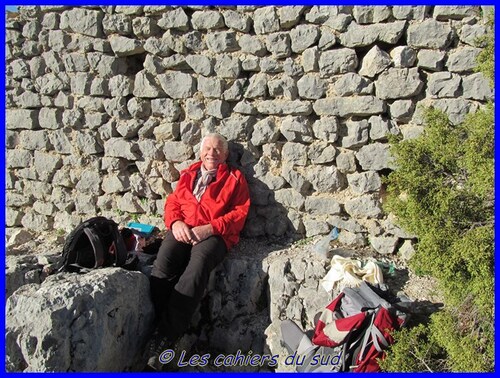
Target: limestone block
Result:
[222, 42]
[349, 106]
[374, 62]
[365, 182]
[398, 83]
[174, 19]
[333, 62]
[311, 87]
[326, 128]
[371, 14]
[266, 20]
[237, 21]
[443, 84]
[303, 36]
[375, 157]
[363, 207]
[278, 44]
[79, 303]
[353, 84]
[321, 152]
[429, 34]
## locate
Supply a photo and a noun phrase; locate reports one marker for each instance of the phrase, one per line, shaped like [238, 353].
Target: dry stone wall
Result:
[105, 105]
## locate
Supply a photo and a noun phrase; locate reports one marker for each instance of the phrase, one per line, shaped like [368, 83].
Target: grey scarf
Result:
[204, 178]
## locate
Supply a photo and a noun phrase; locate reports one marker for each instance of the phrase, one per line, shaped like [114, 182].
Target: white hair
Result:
[218, 137]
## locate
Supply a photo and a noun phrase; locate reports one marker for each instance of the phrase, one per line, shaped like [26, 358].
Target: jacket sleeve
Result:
[233, 221]
[172, 209]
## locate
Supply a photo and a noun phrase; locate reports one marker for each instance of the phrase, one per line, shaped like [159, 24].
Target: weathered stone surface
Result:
[346, 161]
[375, 157]
[221, 42]
[326, 128]
[303, 36]
[22, 119]
[431, 59]
[296, 129]
[403, 56]
[406, 251]
[311, 87]
[310, 60]
[80, 303]
[363, 207]
[472, 34]
[374, 62]
[325, 179]
[177, 151]
[34, 140]
[120, 86]
[321, 205]
[349, 106]
[430, 34]
[266, 20]
[357, 133]
[283, 107]
[264, 132]
[144, 86]
[444, 13]
[279, 44]
[237, 21]
[463, 60]
[384, 245]
[359, 35]
[338, 61]
[380, 128]
[83, 21]
[321, 153]
[365, 182]
[207, 20]
[371, 14]
[455, 108]
[443, 84]
[397, 83]
[227, 67]
[177, 84]
[116, 23]
[290, 198]
[283, 87]
[352, 83]
[406, 12]
[200, 64]
[117, 147]
[252, 44]
[328, 39]
[174, 19]
[294, 153]
[476, 87]
[237, 127]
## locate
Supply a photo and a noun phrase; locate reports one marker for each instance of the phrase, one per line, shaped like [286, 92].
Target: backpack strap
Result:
[373, 333]
[120, 247]
[96, 245]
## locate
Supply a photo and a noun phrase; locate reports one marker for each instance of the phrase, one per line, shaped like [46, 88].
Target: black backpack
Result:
[95, 243]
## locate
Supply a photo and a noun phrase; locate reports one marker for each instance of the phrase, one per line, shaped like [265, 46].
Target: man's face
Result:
[212, 153]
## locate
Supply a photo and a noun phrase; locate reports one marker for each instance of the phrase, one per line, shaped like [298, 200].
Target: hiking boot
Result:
[156, 346]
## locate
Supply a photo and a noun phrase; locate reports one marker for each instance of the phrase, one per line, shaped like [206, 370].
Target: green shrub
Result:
[443, 192]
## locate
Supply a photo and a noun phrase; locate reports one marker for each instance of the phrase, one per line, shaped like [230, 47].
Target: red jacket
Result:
[224, 204]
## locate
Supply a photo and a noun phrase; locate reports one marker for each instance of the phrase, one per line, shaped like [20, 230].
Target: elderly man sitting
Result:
[204, 217]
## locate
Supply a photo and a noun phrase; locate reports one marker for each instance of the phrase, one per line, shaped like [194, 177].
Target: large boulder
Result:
[95, 322]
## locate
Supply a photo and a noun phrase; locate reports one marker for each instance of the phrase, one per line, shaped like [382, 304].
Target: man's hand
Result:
[182, 232]
[202, 232]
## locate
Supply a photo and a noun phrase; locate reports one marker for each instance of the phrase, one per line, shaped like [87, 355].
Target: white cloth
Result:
[206, 178]
[350, 272]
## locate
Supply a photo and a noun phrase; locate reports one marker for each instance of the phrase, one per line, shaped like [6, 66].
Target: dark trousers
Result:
[179, 279]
